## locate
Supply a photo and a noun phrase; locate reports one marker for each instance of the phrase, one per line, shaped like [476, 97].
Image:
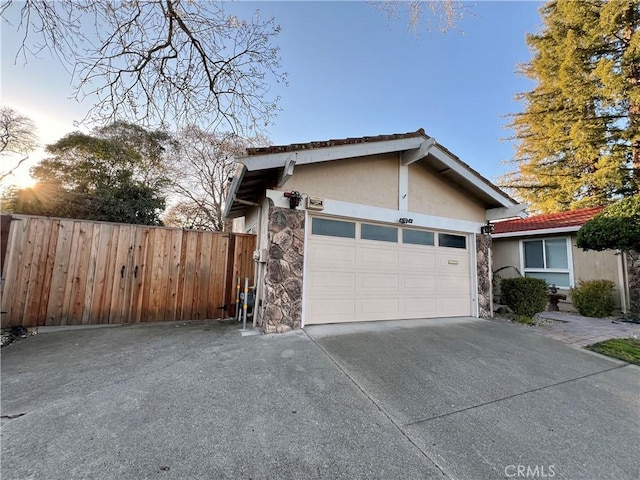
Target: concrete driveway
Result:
[456, 398]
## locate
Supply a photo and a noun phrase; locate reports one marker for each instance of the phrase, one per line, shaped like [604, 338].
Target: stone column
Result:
[483, 258]
[283, 279]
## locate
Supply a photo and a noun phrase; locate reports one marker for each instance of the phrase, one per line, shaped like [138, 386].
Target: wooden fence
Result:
[76, 272]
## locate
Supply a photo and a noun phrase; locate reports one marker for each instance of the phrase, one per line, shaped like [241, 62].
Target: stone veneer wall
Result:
[283, 279]
[483, 258]
[633, 275]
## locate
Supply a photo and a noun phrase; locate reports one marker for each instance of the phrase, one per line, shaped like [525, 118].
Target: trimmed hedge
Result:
[594, 298]
[524, 295]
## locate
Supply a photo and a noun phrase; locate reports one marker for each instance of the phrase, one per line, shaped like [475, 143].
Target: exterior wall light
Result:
[294, 199]
[487, 229]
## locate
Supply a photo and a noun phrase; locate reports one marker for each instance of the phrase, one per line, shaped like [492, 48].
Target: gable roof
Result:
[269, 167]
[570, 221]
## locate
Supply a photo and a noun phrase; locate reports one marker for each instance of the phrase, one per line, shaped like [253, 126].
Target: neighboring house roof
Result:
[270, 167]
[570, 221]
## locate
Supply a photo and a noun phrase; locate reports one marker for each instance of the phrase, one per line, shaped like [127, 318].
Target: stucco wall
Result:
[505, 253]
[593, 265]
[347, 180]
[431, 194]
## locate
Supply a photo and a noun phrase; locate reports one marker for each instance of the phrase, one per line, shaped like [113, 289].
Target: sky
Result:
[351, 73]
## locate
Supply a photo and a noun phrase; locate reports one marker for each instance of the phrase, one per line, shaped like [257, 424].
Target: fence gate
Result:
[75, 272]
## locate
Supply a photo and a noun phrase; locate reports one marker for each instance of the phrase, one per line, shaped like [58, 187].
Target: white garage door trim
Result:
[420, 281]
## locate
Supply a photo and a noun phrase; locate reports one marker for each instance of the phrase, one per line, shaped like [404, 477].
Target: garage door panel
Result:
[416, 260]
[332, 256]
[452, 284]
[328, 283]
[377, 258]
[423, 307]
[376, 308]
[453, 306]
[418, 284]
[383, 283]
[326, 310]
[454, 262]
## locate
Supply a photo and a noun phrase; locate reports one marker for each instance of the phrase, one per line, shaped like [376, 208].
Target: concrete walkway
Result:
[579, 331]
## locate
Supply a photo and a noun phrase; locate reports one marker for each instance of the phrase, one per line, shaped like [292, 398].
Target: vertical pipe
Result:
[237, 312]
[245, 303]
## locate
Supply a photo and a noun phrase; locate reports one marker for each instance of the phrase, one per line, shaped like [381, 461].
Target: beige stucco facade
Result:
[433, 195]
[368, 180]
[588, 265]
[375, 181]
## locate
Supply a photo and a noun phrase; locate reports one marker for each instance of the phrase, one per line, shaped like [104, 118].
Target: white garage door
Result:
[361, 271]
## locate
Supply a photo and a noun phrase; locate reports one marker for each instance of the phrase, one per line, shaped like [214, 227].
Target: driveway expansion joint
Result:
[382, 410]
[515, 395]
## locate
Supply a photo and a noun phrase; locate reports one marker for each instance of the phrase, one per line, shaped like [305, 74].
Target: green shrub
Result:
[524, 295]
[594, 298]
[617, 227]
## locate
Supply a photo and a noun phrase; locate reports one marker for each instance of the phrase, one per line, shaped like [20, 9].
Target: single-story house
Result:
[544, 246]
[361, 229]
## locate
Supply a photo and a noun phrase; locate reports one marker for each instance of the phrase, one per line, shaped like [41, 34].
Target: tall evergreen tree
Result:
[579, 135]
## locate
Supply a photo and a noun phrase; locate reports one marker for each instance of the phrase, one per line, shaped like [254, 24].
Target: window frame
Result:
[356, 229]
[569, 269]
[451, 235]
[377, 225]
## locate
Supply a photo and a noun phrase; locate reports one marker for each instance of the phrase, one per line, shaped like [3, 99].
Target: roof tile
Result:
[332, 143]
[573, 218]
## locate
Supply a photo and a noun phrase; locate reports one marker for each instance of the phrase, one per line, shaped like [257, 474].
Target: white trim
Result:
[506, 212]
[233, 188]
[470, 177]
[384, 215]
[569, 268]
[545, 231]
[622, 280]
[403, 186]
[414, 155]
[325, 154]
[475, 306]
[279, 200]
[303, 305]
[287, 171]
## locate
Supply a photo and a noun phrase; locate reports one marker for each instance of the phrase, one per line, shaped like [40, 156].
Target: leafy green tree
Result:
[118, 173]
[579, 134]
[617, 227]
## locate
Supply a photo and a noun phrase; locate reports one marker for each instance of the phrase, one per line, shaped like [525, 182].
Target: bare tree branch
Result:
[159, 62]
[201, 167]
[17, 138]
[445, 14]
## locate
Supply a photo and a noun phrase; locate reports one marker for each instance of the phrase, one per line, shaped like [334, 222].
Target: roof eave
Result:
[540, 231]
[326, 154]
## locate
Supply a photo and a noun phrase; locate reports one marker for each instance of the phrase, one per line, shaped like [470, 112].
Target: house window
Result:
[452, 241]
[417, 237]
[548, 259]
[379, 233]
[333, 228]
